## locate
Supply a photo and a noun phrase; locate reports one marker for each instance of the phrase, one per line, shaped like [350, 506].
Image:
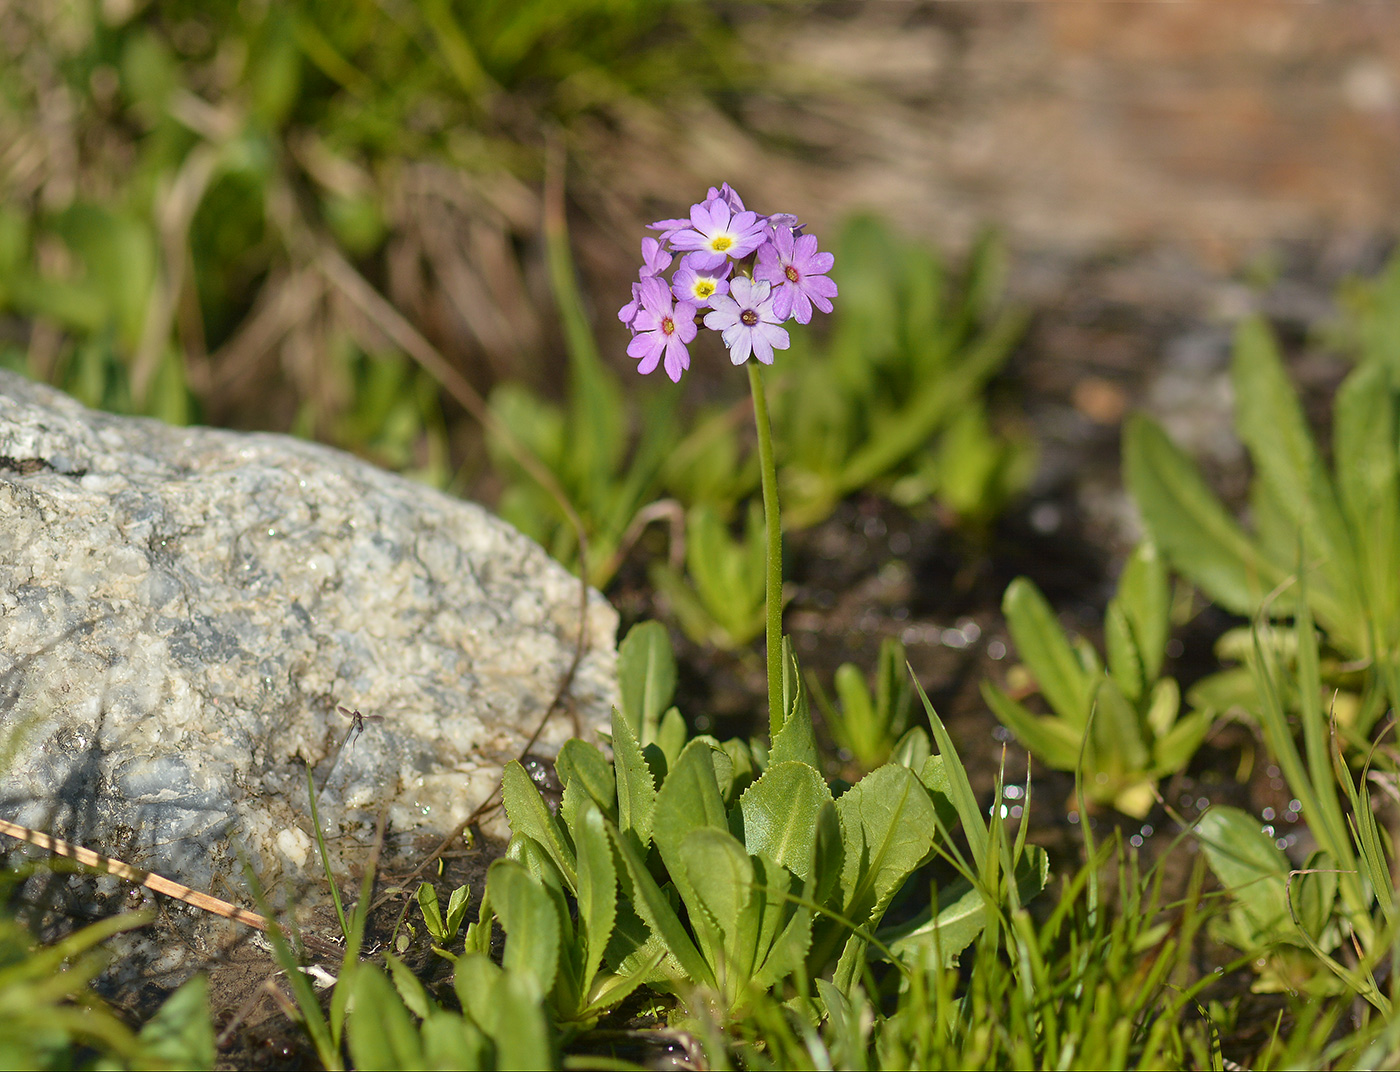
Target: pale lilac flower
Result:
[717, 234]
[701, 285]
[728, 195]
[662, 328]
[798, 273]
[655, 258]
[747, 322]
[628, 313]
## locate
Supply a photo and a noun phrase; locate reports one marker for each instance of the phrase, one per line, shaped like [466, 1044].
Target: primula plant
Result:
[752, 273]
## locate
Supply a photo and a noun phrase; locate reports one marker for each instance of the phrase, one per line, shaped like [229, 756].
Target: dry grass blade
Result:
[152, 881]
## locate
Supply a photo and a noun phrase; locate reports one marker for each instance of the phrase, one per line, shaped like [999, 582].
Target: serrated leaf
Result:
[797, 741]
[636, 792]
[597, 893]
[646, 677]
[529, 816]
[779, 816]
[888, 826]
[530, 918]
[653, 908]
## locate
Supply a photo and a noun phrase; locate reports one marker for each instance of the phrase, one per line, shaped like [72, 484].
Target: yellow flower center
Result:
[791, 273]
[667, 325]
[721, 242]
[704, 288]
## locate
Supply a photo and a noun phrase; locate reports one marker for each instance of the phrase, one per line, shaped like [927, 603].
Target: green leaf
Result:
[930, 938]
[656, 912]
[181, 1032]
[1368, 481]
[531, 921]
[888, 825]
[959, 788]
[1251, 867]
[427, 899]
[530, 817]
[717, 888]
[646, 677]
[779, 816]
[452, 1041]
[1187, 521]
[380, 1031]
[797, 741]
[505, 1006]
[636, 792]
[410, 990]
[597, 890]
[1120, 742]
[1271, 423]
[1041, 644]
[1053, 741]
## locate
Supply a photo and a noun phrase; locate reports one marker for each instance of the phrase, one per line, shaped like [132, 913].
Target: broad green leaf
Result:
[688, 799]
[410, 990]
[913, 749]
[785, 934]
[646, 677]
[671, 736]
[779, 815]
[381, 1032]
[719, 896]
[597, 890]
[1144, 593]
[530, 817]
[1163, 706]
[1041, 644]
[530, 918]
[1251, 867]
[452, 1041]
[636, 792]
[1314, 892]
[863, 731]
[581, 762]
[524, 1038]
[888, 824]
[1125, 663]
[1189, 524]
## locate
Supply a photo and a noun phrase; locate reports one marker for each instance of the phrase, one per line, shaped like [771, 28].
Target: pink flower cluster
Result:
[740, 274]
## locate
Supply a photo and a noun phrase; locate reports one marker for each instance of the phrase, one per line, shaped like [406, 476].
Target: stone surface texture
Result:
[183, 609]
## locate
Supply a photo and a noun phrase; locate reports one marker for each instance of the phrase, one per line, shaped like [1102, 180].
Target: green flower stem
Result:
[774, 526]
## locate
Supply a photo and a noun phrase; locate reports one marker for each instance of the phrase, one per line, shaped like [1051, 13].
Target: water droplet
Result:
[996, 649]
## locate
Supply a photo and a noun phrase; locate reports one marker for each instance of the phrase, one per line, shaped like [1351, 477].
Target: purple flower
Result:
[699, 286]
[726, 194]
[798, 273]
[661, 328]
[747, 322]
[655, 258]
[717, 233]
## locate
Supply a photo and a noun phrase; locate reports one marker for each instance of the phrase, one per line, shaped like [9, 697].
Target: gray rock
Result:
[183, 609]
